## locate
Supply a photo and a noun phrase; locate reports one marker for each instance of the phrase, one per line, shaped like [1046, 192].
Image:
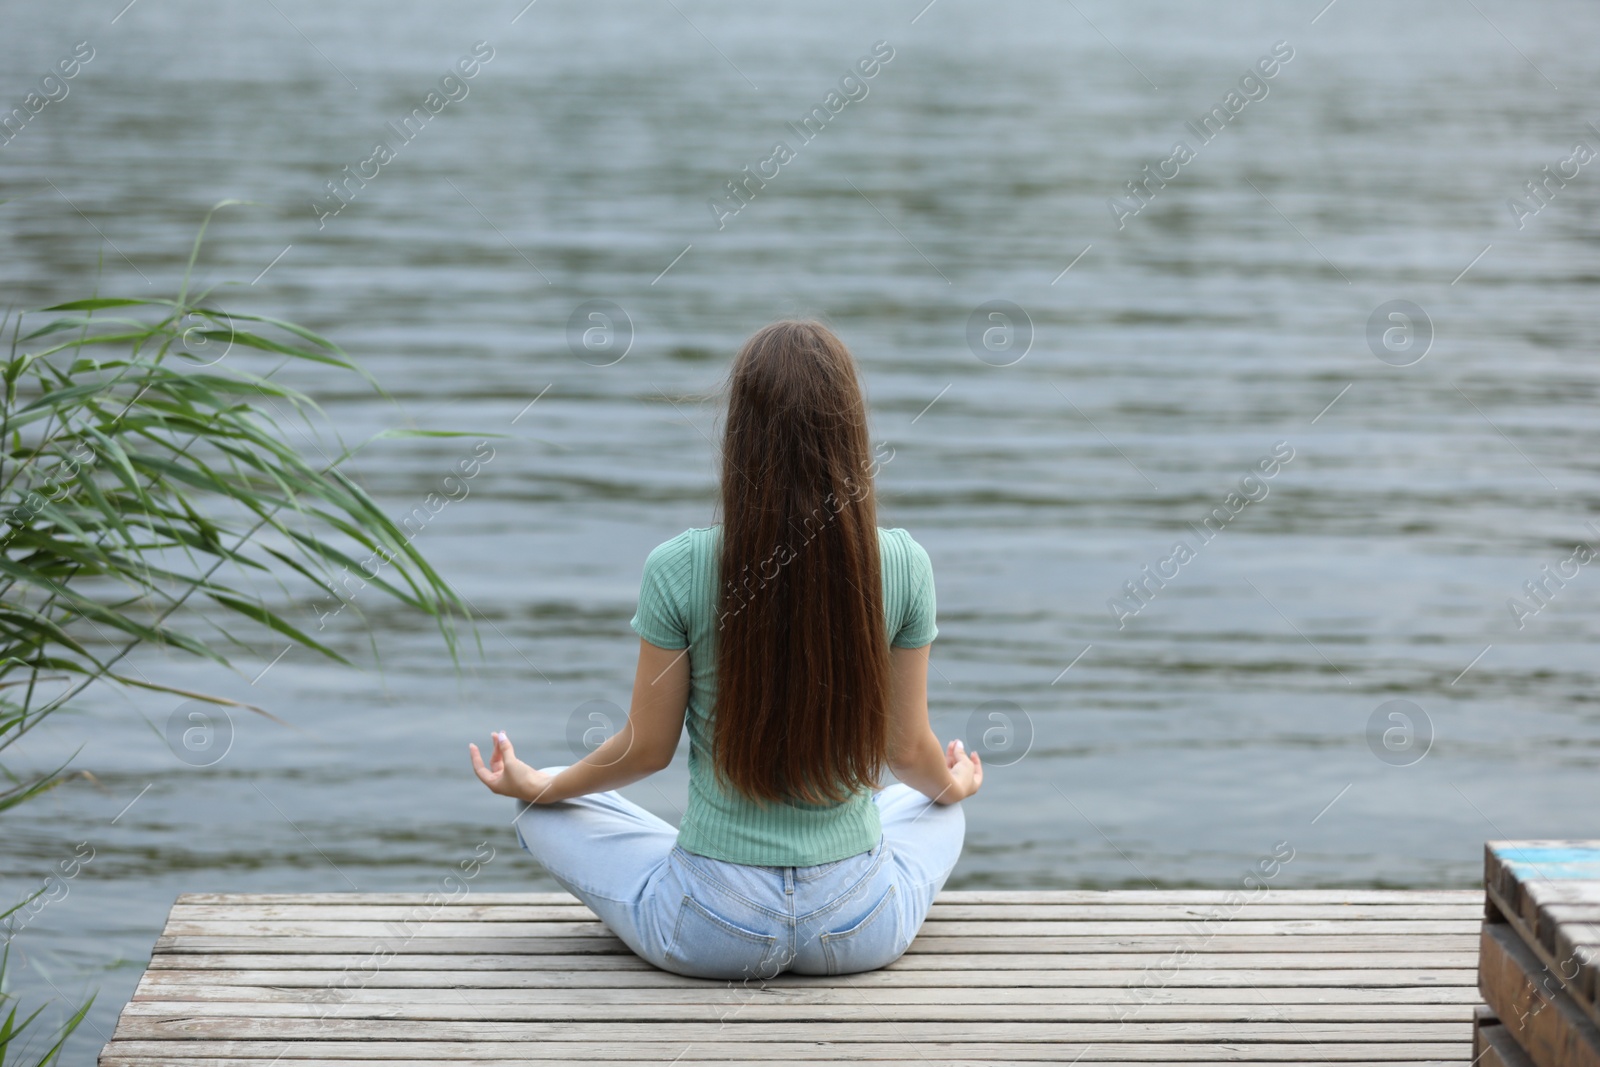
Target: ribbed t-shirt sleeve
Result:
[917, 624]
[659, 618]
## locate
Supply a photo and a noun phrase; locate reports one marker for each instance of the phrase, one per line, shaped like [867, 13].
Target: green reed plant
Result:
[139, 483]
[12, 1031]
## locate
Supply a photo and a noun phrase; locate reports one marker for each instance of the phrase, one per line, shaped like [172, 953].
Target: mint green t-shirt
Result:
[678, 609]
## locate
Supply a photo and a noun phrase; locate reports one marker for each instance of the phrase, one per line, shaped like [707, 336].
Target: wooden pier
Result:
[1190, 977]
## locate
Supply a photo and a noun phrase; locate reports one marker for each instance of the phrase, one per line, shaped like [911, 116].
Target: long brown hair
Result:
[802, 651]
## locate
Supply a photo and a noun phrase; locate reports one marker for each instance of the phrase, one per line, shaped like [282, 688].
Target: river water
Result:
[1160, 351]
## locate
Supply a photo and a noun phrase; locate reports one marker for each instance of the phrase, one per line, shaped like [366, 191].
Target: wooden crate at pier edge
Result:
[1539, 954]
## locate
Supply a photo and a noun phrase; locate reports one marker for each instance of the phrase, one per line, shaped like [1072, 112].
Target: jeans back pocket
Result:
[870, 942]
[705, 945]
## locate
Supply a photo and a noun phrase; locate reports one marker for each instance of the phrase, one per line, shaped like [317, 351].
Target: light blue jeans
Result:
[709, 918]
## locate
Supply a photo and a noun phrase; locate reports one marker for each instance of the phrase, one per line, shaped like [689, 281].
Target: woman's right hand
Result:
[507, 775]
[965, 768]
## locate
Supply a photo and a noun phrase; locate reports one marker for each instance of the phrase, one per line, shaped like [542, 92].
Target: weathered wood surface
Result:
[1492, 1044]
[1296, 977]
[1548, 894]
[1538, 1014]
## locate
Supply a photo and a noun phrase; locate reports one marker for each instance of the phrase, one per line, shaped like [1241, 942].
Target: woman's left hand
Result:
[507, 775]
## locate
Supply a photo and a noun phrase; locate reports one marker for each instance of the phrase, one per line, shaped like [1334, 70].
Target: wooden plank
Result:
[424, 926]
[608, 944]
[1533, 1008]
[179, 1023]
[1577, 947]
[471, 908]
[896, 977]
[1495, 1048]
[1492, 1044]
[1557, 891]
[1542, 860]
[1510, 867]
[965, 1054]
[690, 1059]
[981, 896]
[1114, 961]
[454, 1006]
[176, 986]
